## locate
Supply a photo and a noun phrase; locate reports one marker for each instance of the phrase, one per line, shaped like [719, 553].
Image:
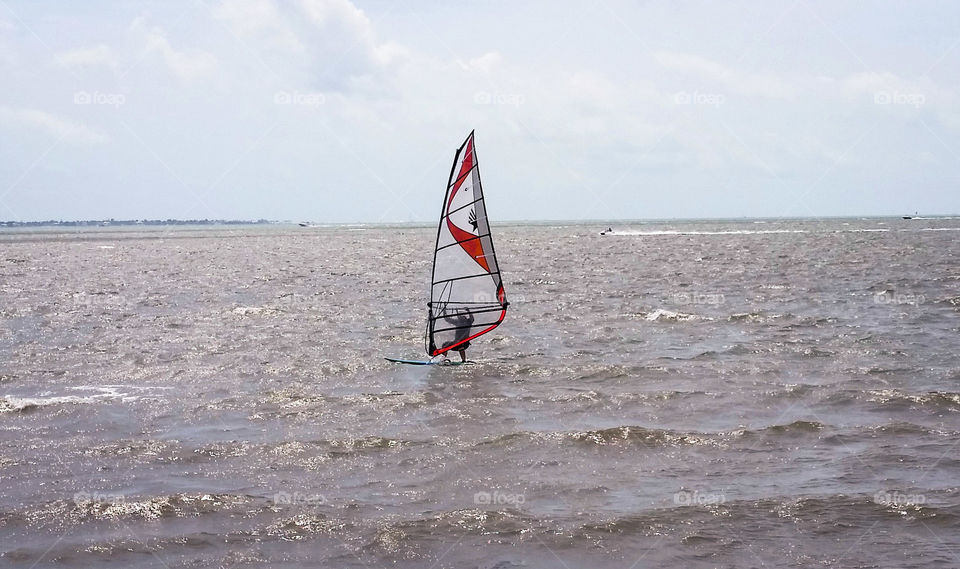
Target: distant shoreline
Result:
[94, 223]
[134, 222]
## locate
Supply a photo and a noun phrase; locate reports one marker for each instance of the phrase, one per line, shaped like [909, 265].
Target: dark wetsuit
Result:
[463, 321]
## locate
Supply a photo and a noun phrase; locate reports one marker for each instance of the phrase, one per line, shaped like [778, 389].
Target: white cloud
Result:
[732, 80]
[330, 44]
[347, 25]
[485, 63]
[90, 56]
[905, 97]
[873, 82]
[184, 64]
[258, 19]
[6, 51]
[59, 127]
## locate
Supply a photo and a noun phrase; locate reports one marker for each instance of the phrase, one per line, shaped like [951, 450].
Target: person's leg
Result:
[463, 355]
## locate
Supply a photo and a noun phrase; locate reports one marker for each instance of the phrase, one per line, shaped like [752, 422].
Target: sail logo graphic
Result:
[472, 219]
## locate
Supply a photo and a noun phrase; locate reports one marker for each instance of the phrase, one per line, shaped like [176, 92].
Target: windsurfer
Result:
[463, 320]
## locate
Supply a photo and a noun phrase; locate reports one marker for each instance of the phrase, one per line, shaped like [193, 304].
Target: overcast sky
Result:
[332, 111]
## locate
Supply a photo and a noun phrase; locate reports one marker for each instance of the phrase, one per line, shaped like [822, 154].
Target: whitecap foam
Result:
[255, 310]
[122, 393]
[732, 232]
[661, 315]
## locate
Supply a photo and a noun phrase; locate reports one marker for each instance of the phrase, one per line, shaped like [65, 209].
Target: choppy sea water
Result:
[709, 394]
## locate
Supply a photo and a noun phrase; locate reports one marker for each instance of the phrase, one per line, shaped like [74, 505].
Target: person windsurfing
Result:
[463, 320]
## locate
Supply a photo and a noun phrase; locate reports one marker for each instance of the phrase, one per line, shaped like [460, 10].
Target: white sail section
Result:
[466, 297]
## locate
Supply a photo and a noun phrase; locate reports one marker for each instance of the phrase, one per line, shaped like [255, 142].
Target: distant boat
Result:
[303, 224]
[914, 216]
[607, 232]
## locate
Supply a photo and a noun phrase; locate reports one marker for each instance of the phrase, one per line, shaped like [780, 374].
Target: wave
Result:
[295, 527]
[755, 317]
[811, 322]
[661, 315]
[295, 449]
[613, 436]
[629, 435]
[100, 394]
[366, 443]
[149, 448]
[731, 232]
[835, 511]
[501, 522]
[86, 506]
[796, 428]
[953, 301]
[946, 399]
[832, 514]
[293, 401]
[677, 232]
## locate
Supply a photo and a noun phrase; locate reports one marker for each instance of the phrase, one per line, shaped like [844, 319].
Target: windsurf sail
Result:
[466, 293]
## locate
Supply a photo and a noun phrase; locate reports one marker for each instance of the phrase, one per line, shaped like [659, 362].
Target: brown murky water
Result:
[710, 394]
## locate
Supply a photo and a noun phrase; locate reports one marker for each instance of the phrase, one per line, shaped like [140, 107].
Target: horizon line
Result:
[264, 221]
